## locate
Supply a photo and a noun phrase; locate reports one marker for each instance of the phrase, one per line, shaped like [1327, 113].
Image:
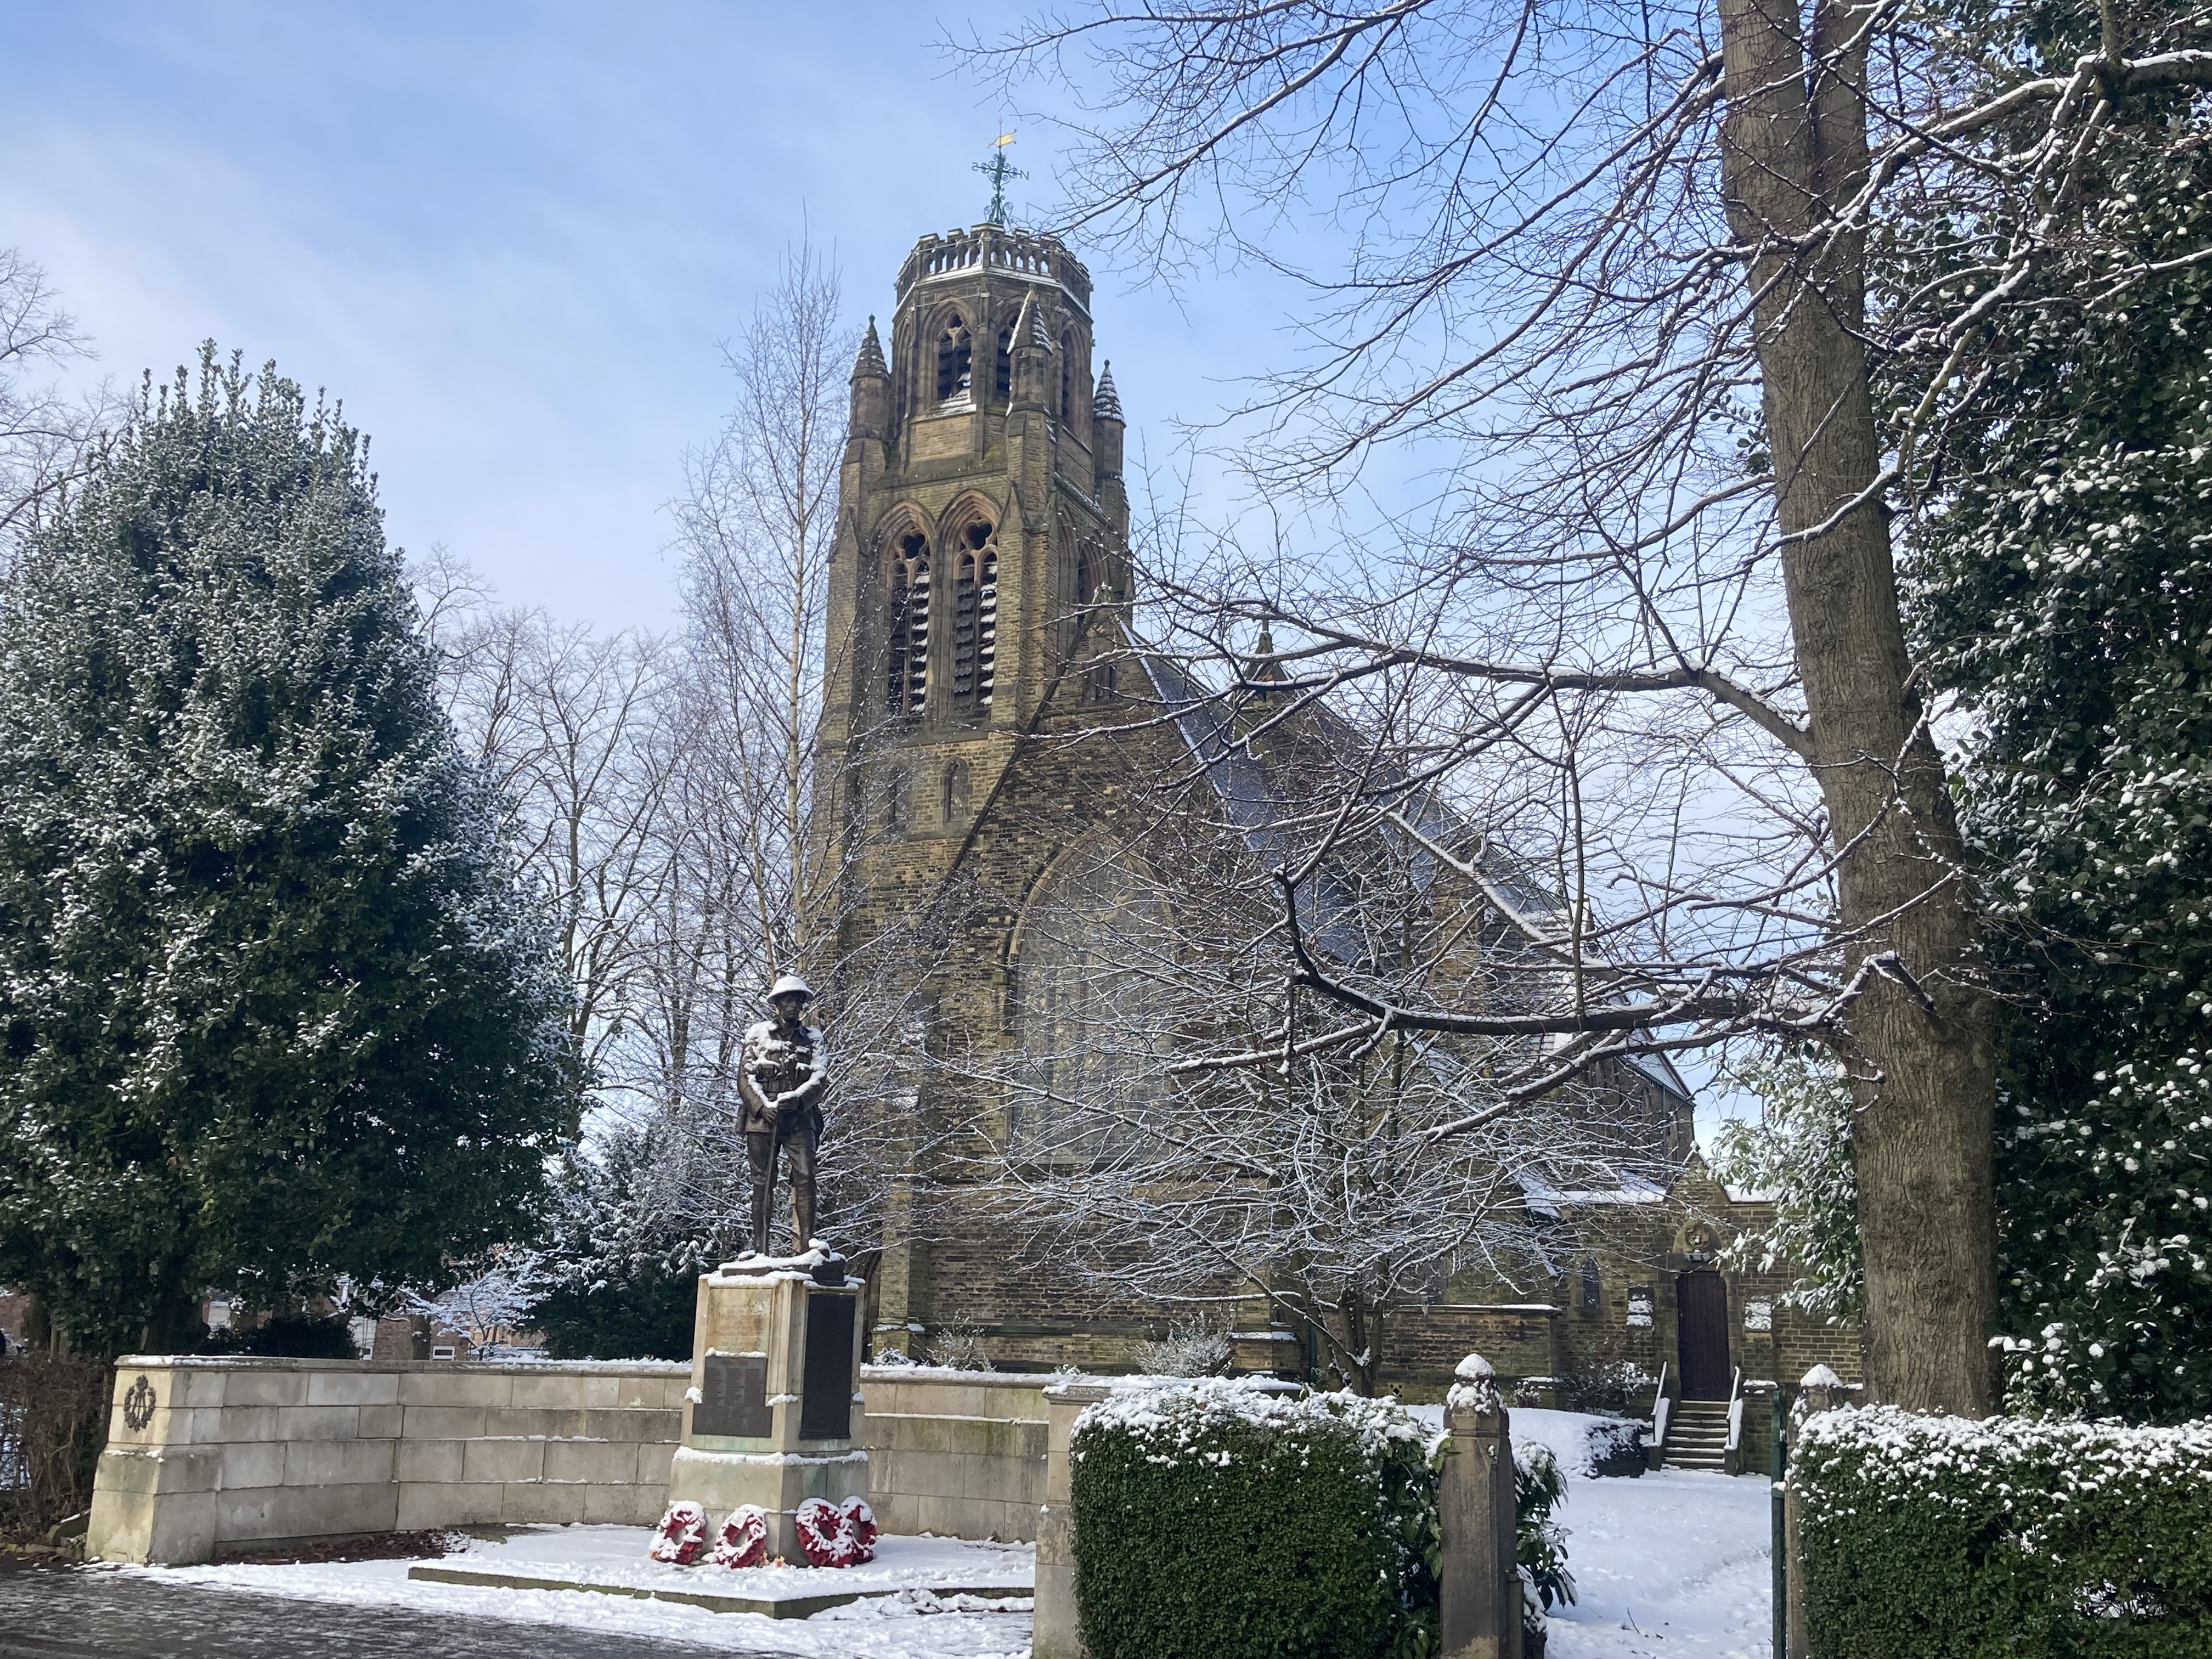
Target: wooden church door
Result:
[1702, 1338]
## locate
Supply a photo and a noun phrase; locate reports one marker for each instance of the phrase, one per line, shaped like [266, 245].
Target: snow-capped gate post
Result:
[1055, 1630]
[1821, 1390]
[1481, 1615]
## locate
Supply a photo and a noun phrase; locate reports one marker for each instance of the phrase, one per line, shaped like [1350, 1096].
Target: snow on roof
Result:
[1547, 1199]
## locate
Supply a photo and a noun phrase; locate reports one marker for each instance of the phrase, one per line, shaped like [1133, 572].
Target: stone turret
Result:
[1106, 426]
[872, 390]
[1032, 351]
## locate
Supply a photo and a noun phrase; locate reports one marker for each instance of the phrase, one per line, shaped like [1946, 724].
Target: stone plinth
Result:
[774, 1415]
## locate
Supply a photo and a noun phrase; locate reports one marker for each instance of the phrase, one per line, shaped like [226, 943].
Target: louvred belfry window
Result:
[909, 655]
[975, 619]
[954, 348]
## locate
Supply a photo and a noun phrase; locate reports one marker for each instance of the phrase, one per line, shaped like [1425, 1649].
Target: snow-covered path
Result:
[1672, 1563]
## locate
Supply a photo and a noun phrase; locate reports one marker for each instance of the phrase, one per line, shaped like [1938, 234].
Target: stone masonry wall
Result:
[960, 1453]
[214, 1457]
[209, 1457]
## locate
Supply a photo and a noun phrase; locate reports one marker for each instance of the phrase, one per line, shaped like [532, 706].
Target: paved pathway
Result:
[61, 1613]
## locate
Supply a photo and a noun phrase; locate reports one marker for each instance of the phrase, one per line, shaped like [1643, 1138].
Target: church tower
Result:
[981, 509]
[979, 567]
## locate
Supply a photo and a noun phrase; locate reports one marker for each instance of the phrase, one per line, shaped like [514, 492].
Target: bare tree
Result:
[575, 729]
[755, 889]
[46, 436]
[1610, 265]
[1177, 1122]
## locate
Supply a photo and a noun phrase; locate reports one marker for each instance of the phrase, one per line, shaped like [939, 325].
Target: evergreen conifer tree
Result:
[273, 1005]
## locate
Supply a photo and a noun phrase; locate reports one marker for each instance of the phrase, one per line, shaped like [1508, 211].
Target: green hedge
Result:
[1215, 1522]
[1927, 1535]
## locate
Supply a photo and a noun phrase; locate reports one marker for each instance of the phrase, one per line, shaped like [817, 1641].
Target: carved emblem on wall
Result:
[138, 1404]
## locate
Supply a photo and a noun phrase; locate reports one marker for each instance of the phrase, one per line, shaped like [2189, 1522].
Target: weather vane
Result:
[997, 171]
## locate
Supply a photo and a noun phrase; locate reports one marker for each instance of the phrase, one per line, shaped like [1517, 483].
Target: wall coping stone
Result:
[404, 1367]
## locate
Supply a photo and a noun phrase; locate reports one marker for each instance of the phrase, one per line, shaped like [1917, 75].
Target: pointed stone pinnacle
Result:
[1107, 404]
[871, 358]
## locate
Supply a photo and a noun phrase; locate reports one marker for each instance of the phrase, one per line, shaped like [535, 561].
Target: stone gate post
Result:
[1481, 1580]
[1055, 1632]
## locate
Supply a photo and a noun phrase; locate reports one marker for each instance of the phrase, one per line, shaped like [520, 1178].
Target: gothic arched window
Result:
[1002, 384]
[956, 794]
[907, 668]
[1093, 1036]
[954, 348]
[1071, 382]
[975, 618]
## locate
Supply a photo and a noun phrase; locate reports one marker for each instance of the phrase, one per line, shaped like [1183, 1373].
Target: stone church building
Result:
[979, 608]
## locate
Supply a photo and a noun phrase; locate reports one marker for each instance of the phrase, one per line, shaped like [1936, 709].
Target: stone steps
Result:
[1697, 1436]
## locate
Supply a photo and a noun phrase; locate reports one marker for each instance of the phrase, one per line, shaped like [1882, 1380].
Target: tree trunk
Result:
[1921, 1031]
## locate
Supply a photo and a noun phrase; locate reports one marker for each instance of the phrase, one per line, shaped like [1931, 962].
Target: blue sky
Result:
[510, 237]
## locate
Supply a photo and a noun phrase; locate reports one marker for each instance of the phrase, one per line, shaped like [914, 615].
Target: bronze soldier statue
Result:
[781, 1075]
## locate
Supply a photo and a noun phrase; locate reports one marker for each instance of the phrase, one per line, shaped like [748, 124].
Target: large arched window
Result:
[954, 350]
[975, 617]
[907, 665]
[1090, 1013]
[1002, 384]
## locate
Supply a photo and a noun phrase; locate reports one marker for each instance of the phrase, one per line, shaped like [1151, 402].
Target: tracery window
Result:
[907, 680]
[954, 348]
[1094, 1035]
[975, 618]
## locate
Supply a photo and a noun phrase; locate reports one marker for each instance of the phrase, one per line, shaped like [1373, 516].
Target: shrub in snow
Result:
[1616, 1447]
[836, 1534]
[1928, 1535]
[957, 1346]
[680, 1535]
[1539, 1543]
[1212, 1518]
[1196, 1345]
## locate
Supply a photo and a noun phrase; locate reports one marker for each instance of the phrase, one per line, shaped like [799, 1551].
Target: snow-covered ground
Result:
[911, 1625]
[1672, 1563]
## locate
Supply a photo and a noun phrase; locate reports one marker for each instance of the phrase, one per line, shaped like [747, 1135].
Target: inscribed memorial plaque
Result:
[734, 1397]
[825, 1408]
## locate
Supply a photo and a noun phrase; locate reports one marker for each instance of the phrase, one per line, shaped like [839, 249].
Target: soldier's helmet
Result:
[790, 986]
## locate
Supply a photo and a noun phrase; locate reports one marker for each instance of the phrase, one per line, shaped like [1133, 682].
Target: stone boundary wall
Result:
[961, 1453]
[212, 1457]
[229, 1456]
